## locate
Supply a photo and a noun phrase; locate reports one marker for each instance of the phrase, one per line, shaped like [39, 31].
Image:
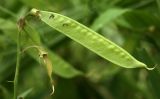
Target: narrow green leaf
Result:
[25, 93]
[32, 34]
[60, 67]
[107, 17]
[4, 93]
[31, 37]
[88, 38]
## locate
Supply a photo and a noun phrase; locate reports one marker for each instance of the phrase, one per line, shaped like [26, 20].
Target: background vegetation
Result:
[78, 72]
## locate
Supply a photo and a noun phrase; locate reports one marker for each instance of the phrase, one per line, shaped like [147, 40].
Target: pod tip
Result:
[148, 68]
[52, 90]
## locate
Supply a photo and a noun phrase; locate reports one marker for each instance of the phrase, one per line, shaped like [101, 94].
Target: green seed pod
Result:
[89, 38]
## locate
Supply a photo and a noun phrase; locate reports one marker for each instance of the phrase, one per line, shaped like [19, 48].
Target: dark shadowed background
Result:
[79, 73]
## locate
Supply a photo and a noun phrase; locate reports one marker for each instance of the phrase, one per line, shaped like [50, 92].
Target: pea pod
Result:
[89, 38]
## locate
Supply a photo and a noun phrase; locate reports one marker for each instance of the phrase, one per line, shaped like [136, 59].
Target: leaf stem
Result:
[17, 66]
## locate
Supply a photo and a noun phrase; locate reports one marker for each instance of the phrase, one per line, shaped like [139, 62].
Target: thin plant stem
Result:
[17, 66]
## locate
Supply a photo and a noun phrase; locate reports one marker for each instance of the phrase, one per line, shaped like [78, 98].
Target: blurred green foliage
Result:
[78, 72]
